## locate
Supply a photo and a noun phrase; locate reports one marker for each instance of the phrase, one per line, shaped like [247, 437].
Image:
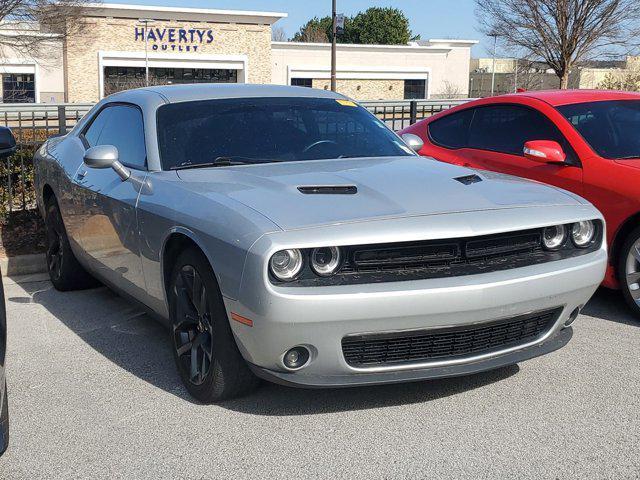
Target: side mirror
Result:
[414, 142]
[545, 151]
[106, 156]
[7, 142]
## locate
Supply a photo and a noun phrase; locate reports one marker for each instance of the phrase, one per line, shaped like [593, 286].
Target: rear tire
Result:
[629, 271]
[208, 360]
[65, 271]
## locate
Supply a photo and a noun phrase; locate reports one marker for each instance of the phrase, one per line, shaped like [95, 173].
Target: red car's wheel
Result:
[629, 271]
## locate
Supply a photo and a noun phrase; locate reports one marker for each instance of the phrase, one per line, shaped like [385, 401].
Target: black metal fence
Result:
[400, 114]
[32, 124]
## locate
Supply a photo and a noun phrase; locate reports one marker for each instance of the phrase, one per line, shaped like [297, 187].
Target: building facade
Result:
[31, 74]
[114, 46]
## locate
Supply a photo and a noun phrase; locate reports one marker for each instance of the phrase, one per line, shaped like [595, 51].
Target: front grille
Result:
[446, 343]
[443, 253]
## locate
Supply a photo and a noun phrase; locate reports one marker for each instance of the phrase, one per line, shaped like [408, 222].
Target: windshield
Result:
[260, 130]
[611, 128]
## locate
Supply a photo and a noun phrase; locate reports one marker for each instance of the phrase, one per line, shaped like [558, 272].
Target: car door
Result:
[497, 135]
[109, 233]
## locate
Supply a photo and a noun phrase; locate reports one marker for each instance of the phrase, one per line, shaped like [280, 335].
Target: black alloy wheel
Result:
[65, 271]
[55, 252]
[204, 348]
[193, 332]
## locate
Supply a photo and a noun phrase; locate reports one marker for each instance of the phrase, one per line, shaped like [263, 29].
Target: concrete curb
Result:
[23, 265]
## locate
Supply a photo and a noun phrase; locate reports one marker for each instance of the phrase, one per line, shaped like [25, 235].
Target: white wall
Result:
[46, 65]
[440, 62]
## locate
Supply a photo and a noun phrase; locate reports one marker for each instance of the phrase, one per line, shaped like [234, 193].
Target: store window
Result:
[117, 79]
[415, 89]
[302, 82]
[18, 88]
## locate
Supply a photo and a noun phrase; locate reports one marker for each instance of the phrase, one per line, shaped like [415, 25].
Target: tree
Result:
[627, 80]
[27, 25]
[450, 91]
[374, 26]
[316, 30]
[381, 26]
[278, 34]
[561, 32]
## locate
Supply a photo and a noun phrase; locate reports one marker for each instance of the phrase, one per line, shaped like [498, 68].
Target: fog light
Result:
[296, 358]
[572, 317]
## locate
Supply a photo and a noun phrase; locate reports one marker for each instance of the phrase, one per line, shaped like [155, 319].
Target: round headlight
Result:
[325, 261]
[554, 237]
[286, 264]
[582, 233]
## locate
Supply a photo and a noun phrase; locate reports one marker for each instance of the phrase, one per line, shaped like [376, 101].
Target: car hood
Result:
[387, 187]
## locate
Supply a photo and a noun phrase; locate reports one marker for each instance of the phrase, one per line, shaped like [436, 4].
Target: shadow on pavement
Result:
[609, 305]
[134, 341]
[276, 400]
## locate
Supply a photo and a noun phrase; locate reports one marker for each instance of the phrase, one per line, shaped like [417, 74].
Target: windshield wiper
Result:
[221, 162]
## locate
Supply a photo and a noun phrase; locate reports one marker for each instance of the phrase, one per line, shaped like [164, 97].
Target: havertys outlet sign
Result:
[174, 39]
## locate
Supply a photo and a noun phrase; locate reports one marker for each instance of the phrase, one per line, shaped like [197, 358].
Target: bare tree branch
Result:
[279, 35]
[28, 25]
[562, 32]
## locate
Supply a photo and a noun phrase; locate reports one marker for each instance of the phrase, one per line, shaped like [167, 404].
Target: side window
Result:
[95, 129]
[506, 128]
[122, 127]
[451, 131]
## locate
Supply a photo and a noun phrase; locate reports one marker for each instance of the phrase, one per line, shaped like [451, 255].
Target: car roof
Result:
[567, 97]
[212, 91]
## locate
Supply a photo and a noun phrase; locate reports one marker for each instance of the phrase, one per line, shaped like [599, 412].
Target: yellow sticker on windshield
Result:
[346, 103]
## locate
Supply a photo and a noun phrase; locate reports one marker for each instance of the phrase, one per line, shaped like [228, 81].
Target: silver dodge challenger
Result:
[286, 233]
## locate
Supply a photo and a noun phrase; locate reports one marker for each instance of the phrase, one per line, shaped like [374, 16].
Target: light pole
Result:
[333, 45]
[493, 69]
[146, 22]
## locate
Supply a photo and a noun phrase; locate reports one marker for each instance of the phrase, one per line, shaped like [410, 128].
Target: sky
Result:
[429, 18]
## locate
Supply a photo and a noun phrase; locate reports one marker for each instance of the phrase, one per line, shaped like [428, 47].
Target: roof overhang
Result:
[116, 10]
[444, 42]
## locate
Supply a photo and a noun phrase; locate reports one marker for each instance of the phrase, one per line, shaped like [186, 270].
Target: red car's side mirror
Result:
[545, 151]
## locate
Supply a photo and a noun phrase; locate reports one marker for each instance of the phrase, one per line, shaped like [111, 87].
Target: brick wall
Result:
[363, 89]
[108, 34]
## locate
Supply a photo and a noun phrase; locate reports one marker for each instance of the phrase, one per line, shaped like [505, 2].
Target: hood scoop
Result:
[469, 179]
[328, 190]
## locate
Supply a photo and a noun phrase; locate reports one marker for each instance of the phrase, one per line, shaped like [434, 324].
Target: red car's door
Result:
[497, 135]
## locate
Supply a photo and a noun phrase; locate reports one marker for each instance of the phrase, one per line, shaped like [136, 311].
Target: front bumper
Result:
[349, 380]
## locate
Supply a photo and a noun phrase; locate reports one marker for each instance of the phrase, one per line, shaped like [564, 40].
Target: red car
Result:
[587, 142]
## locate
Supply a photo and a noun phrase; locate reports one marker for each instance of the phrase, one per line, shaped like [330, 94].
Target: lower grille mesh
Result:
[425, 345]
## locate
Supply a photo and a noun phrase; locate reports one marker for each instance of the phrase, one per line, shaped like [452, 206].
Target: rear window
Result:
[611, 128]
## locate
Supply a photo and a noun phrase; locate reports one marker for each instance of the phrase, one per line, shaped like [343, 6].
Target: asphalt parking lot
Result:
[94, 394]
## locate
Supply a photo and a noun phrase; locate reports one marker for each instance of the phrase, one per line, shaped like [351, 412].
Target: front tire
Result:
[629, 271]
[208, 360]
[65, 271]
[4, 422]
